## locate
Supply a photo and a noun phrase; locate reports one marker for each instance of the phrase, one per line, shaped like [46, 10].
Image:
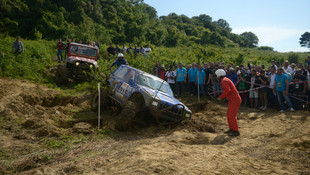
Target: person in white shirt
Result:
[170, 76]
[272, 98]
[273, 63]
[287, 68]
[147, 50]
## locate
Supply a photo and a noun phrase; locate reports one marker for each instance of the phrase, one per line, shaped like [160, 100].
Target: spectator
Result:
[129, 49]
[67, 48]
[60, 46]
[117, 49]
[209, 78]
[232, 75]
[181, 75]
[304, 72]
[124, 49]
[136, 51]
[97, 44]
[308, 63]
[273, 63]
[287, 68]
[201, 81]
[156, 70]
[119, 61]
[17, 47]
[237, 70]
[141, 50]
[272, 99]
[110, 50]
[300, 88]
[162, 71]
[242, 86]
[147, 49]
[216, 83]
[170, 76]
[192, 74]
[263, 81]
[293, 66]
[253, 92]
[281, 88]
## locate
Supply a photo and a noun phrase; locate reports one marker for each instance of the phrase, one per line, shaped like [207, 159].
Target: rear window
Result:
[83, 50]
[121, 72]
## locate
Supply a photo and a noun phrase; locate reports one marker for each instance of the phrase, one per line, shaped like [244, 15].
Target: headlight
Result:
[77, 63]
[187, 115]
[155, 103]
[91, 66]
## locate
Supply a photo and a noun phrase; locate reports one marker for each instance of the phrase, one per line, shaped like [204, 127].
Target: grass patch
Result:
[64, 142]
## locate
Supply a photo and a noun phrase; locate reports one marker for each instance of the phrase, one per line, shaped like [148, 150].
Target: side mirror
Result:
[131, 81]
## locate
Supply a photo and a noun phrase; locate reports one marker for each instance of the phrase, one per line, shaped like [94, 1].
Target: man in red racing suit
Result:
[231, 94]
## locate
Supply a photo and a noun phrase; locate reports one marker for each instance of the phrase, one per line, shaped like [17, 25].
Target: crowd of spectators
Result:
[275, 86]
[112, 51]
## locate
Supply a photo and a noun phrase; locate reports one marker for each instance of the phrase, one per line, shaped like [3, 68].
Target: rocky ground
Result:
[44, 131]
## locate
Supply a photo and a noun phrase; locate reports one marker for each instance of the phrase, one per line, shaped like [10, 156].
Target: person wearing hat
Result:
[119, 61]
[234, 100]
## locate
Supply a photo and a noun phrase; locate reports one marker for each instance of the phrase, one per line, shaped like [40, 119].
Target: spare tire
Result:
[61, 75]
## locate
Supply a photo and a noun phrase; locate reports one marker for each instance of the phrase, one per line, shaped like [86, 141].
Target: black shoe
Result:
[234, 133]
[229, 131]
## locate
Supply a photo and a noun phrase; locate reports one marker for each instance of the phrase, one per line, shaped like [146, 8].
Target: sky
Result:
[276, 23]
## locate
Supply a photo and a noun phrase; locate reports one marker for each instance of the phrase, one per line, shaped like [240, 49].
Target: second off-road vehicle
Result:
[80, 60]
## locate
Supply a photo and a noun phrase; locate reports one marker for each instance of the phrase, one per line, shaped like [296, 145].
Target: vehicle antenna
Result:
[159, 89]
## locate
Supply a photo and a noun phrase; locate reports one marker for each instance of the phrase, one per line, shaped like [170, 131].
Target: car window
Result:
[121, 73]
[83, 50]
[154, 84]
[130, 75]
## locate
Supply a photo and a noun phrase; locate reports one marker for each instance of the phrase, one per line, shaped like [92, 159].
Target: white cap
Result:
[220, 73]
[120, 55]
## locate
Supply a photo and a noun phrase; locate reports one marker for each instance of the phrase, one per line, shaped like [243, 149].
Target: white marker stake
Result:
[198, 87]
[98, 105]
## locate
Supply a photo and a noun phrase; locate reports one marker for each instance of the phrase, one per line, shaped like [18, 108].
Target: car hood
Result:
[163, 97]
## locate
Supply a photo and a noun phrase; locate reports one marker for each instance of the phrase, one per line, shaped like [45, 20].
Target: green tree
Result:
[253, 39]
[304, 40]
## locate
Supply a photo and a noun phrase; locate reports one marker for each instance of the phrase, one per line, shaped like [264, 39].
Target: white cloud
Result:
[281, 39]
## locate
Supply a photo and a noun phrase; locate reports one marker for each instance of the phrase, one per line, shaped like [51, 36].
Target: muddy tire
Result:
[104, 100]
[127, 117]
[131, 113]
[61, 75]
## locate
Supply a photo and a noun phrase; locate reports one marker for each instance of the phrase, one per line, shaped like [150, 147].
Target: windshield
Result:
[155, 84]
[83, 50]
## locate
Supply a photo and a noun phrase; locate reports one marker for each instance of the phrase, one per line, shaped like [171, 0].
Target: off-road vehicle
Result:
[80, 60]
[140, 93]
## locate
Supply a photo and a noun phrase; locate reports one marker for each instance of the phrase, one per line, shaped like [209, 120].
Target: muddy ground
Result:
[44, 131]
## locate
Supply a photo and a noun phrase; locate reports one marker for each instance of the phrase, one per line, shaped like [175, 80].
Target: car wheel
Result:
[127, 116]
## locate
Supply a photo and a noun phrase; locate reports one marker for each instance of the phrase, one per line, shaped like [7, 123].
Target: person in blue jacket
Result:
[181, 78]
[119, 61]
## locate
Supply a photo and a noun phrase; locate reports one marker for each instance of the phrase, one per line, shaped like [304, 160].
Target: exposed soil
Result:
[43, 131]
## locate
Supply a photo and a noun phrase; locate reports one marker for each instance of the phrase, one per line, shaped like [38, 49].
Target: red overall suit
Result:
[231, 94]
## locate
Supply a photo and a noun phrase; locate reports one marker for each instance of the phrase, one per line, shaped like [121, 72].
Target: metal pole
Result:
[98, 105]
[198, 87]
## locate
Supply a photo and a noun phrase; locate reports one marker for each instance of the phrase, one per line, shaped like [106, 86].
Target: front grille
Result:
[171, 110]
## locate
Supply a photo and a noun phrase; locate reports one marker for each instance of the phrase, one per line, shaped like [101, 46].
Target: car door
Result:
[116, 83]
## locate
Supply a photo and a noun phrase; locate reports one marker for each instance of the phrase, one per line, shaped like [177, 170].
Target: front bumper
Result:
[166, 114]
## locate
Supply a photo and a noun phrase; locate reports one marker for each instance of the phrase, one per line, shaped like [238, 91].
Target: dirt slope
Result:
[44, 132]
